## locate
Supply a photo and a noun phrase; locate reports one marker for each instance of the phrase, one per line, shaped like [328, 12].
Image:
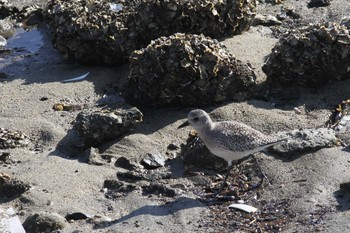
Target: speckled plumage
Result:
[230, 140]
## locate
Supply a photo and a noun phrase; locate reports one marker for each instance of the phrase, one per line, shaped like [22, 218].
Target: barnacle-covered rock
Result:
[28, 14]
[100, 126]
[12, 139]
[156, 18]
[186, 69]
[310, 56]
[44, 222]
[89, 31]
[6, 9]
[105, 32]
[10, 187]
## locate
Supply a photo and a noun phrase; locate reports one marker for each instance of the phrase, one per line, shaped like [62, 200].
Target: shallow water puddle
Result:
[24, 41]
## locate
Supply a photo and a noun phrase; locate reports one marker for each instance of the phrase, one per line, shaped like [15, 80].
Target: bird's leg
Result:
[261, 171]
[224, 181]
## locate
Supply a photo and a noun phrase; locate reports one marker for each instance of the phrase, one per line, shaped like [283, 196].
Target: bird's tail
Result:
[276, 142]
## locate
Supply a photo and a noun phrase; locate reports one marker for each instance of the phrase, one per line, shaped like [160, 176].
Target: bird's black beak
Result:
[184, 125]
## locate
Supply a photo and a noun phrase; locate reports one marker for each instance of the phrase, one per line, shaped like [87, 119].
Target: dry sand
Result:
[64, 185]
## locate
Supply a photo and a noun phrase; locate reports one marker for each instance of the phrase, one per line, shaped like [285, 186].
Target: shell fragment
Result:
[243, 207]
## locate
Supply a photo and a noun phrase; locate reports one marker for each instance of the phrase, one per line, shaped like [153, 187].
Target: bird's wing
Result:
[241, 137]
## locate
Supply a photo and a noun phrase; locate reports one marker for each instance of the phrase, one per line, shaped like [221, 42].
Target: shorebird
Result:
[230, 140]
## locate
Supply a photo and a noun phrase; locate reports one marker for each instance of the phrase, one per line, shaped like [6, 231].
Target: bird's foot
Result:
[218, 192]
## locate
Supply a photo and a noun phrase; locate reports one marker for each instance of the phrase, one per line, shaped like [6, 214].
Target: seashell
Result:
[243, 207]
[79, 78]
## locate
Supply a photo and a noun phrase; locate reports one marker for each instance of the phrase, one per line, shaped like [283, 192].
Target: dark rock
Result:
[3, 76]
[158, 189]
[300, 141]
[318, 3]
[188, 70]
[44, 222]
[77, 216]
[10, 187]
[152, 161]
[173, 146]
[309, 56]
[96, 127]
[130, 176]
[345, 188]
[7, 9]
[117, 188]
[4, 157]
[112, 184]
[153, 175]
[95, 33]
[125, 163]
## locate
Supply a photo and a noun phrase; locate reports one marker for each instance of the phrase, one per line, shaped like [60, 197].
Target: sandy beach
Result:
[305, 187]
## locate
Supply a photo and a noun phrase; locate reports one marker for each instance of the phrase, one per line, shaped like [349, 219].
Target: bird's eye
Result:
[195, 119]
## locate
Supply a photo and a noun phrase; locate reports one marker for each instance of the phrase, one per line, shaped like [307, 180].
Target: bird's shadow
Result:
[290, 156]
[343, 197]
[168, 208]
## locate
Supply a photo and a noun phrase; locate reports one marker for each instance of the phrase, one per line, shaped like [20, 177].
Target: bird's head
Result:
[197, 119]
